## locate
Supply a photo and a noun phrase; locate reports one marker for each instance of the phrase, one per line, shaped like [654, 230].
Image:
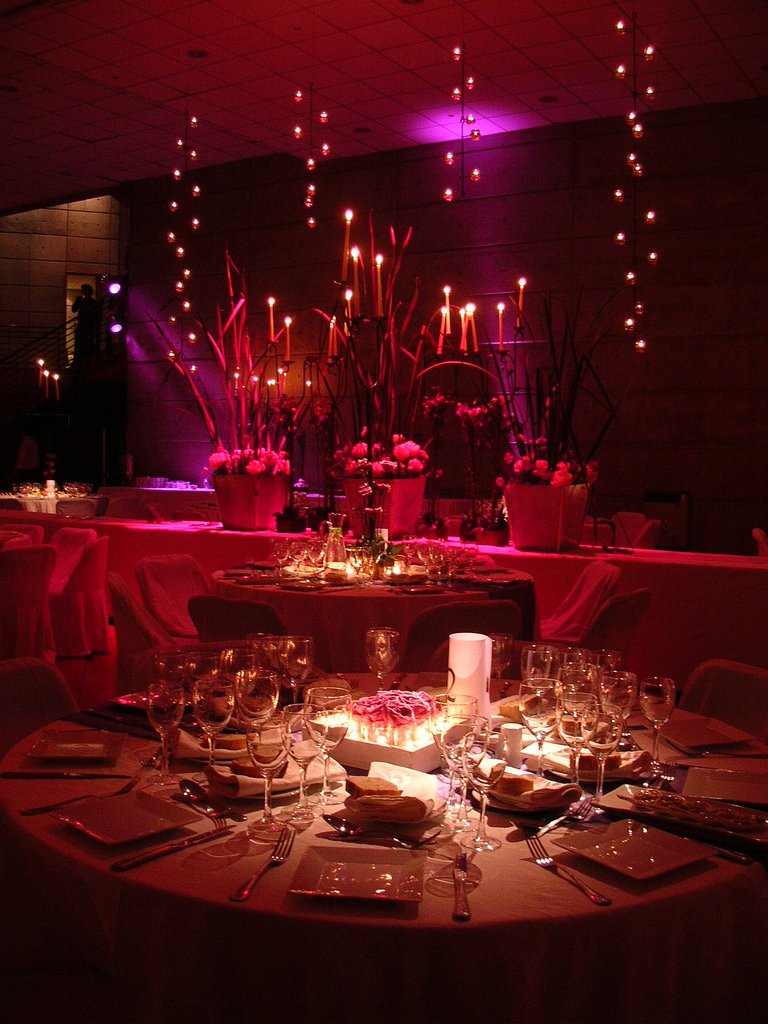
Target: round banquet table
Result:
[338, 617]
[689, 946]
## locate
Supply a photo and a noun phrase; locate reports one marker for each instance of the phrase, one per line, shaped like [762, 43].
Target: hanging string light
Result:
[630, 237]
[184, 223]
[468, 130]
[300, 132]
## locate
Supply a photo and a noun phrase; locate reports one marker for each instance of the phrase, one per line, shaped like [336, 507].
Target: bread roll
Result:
[510, 709]
[366, 785]
[588, 762]
[512, 785]
[230, 741]
[246, 768]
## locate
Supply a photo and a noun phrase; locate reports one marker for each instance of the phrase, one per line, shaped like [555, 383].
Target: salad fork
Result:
[544, 860]
[279, 855]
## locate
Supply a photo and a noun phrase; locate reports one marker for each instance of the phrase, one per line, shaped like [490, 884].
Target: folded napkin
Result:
[622, 765]
[227, 783]
[229, 747]
[542, 795]
[418, 800]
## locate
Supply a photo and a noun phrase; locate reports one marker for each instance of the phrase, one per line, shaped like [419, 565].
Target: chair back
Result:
[730, 691]
[70, 543]
[11, 503]
[76, 508]
[225, 619]
[628, 526]
[426, 642]
[136, 632]
[79, 611]
[760, 538]
[577, 610]
[14, 539]
[25, 620]
[33, 693]
[128, 507]
[647, 535]
[616, 623]
[34, 532]
[167, 582]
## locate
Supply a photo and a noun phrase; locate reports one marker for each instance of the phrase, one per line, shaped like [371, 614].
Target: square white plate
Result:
[395, 875]
[77, 745]
[691, 735]
[636, 850]
[740, 787]
[121, 819]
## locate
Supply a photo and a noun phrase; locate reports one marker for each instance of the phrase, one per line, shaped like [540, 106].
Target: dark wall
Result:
[693, 413]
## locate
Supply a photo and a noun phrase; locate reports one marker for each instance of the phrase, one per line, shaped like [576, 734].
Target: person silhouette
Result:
[88, 313]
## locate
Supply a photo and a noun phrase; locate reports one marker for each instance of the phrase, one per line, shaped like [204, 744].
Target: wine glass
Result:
[585, 676]
[268, 754]
[166, 698]
[539, 660]
[382, 651]
[302, 750]
[502, 648]
[282, 553]
[329, 710]
[447, 733]
[603, 726]
[257, 689]
[571, 710]
[620, 688]
[213, 700]
[474, 749]
[296, 655]
[538, 710]
[657, 701]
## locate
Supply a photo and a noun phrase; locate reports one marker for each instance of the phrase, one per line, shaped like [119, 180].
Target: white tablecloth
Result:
[691, 946]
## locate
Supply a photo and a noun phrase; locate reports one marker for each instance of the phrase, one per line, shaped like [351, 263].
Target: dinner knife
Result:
[61, 774]
[461, 910]
[161, 851]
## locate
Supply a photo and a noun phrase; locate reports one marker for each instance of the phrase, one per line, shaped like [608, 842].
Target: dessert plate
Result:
[360, 875]
[77, 745]
[122, 819]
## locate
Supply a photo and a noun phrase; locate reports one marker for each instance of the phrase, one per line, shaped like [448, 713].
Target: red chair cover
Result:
[167, 582]
[25, 620]
[572, 619]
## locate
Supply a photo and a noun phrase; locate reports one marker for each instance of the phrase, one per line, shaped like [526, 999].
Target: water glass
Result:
[330, 708]
[296, 656]
[213, 701]
[268, 753]
[302, 750]
[603, 727]
[539, 660]
[382, 651]
[657, 702]
[538, 710]
[502, 649]
[474, 750]
[572, 707]
[166, 699]
[620, 688]
[452, 710]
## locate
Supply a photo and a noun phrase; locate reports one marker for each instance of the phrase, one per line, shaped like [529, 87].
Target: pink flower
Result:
[255, 467]
[217, 460]
[377, 468]
[415, 466]
[360, 450]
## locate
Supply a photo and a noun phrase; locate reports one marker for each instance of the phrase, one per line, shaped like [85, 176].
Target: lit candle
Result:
[56, 384]
[463, 318]
[41, 364]
[271, 304]
[471, 324]
[348, 316]
[447, 293]
[500, 309]
[520, 289]
[379, 292]
[441, 335]
[355, 254]
[332, 351]
[287, 323]
[345, 254]
[46, 375]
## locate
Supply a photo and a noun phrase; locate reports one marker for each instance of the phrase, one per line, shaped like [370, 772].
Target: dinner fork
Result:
[578, 812]
[544, 860]
[279, 855]
[45, 808]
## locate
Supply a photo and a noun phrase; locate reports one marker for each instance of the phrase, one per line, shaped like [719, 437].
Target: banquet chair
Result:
[34, 532]
[128, 507]
[166, 583]
[575, 613]
[647, 535]
[12, 503]
[136, 633]
[76, 508]
[730, 691]
[627, 528]
[426, 642]
[69, 542]
[760, 538]
[13, 539]
[79, 610]
[223, 618]
[616, 623]
[25, 619]
[32, 693]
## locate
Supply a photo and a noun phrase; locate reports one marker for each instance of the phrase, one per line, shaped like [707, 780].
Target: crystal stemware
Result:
[382, 651]
[166, 699]
[539, 660]
[330, 708]
[213, 699]
[474, 750]
[268, 754]
[502, 649]
[571, 710]
[296, 655]
[538, 710]
[620, 688]
[302, 750]
[451, 711]
[657, 702]
[602, 731]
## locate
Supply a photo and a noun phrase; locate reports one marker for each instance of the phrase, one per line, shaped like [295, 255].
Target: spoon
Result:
[349, 829]
[193, 793]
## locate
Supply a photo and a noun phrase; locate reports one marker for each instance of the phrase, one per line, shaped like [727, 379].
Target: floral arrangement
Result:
[403, 458]
[256, 463]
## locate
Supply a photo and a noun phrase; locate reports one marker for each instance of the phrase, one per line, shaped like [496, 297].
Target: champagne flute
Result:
[213, 701]
[302, 750]
[571, 710]
[382, 651]
[538, 710]
[474, 751]
[296, 655]
[657, 702]
[620, 688]
[268, 754]
[166, 698]
[330, 708]
[602, 731]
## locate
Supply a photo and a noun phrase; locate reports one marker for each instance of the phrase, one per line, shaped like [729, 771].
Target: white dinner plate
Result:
[79, 745]
[743, 787]
[395, 875]
[692, 735]
[636, 850]
[121, 819]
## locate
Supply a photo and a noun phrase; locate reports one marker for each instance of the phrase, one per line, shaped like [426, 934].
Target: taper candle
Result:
[520, 289]
[463, 318]
[271, 304]
[500, 309]
[471, 325]
[447, 293]
[441, 335]
[379, 293]
[287, 323]
[348, 215]
[354, 252]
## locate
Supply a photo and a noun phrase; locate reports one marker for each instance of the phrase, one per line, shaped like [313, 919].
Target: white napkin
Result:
[544, 794]
[191, 748]
[558, 759]
[225, 782]
[418, 800]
